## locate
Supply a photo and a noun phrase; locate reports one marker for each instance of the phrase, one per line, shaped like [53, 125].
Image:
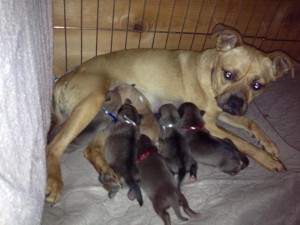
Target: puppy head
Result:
[235, 160]
[190, 114]
[168, 116]
[241, 72]
[112, 101]
[129, 111]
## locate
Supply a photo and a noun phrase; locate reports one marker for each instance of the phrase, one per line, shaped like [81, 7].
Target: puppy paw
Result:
[53, 190]
[192, 179]
[131, 195]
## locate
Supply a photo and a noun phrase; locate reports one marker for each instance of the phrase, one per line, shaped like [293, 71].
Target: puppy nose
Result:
[235, 102]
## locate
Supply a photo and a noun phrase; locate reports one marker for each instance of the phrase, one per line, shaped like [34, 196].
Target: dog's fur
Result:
[120, 151]
[222, 81]
[149, 124]
[158, 182]
[101, 121]
[174, 147]
[206, 149]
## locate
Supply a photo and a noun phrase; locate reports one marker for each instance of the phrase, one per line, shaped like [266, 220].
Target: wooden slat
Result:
[172, 24]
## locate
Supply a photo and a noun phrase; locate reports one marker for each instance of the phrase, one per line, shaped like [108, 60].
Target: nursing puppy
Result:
[221, 80]
[120, 152]
[206, 149]
[174, 147]
[149, 125]
[158, 182]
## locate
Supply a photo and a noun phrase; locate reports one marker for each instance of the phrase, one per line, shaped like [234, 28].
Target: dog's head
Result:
[241, 72]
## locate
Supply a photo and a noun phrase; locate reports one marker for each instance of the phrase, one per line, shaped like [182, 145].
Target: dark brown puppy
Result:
[206, 149]
[120, 151]
[174, 147]
[158, 182]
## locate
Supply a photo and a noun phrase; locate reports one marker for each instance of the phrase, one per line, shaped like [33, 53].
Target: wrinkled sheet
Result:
[25, 97]
[253, 197]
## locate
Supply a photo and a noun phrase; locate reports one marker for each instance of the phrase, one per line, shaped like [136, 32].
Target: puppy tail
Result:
[135, 188]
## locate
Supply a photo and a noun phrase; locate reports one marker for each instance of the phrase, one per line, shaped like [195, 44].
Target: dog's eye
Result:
[228, 75]
[256, 86]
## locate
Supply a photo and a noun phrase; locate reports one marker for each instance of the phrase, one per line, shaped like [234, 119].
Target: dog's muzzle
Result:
[234, 105]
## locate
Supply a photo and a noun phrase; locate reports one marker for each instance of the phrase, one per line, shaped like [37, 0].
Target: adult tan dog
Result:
[222, 81]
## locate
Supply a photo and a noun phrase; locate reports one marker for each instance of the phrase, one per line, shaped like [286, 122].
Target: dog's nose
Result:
[235, 103]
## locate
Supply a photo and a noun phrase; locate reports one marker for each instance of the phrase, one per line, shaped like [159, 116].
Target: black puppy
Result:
[206, 149]
[174, 147]
[158, 182]
[120, 152]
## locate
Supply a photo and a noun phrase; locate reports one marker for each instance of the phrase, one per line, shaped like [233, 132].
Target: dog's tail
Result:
[134, 188]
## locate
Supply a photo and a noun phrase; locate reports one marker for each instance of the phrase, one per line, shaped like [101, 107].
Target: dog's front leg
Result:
[78, 119]
[260, 156]
[253, 129]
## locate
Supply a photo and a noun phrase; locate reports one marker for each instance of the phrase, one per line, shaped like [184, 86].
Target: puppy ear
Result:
[141, 116]
[157, 116]
[128, 101]
[227, 37]
[202, 112]
[281, 64]
[107, 97]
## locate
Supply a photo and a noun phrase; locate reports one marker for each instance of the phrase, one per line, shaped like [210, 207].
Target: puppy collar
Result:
[170, 125]
[114, 118]
[129, 121]
[196, 127]
[144, 156]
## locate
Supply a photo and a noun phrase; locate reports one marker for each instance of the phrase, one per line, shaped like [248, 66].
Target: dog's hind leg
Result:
[185, 205]
[161, 211]
[78, 119]
[94, 153]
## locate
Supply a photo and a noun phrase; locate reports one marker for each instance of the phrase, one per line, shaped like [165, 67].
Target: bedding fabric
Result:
[25, 94]
[253, 197]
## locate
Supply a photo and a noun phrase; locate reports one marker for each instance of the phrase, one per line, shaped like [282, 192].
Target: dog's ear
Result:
[227, 37]
[281, 64]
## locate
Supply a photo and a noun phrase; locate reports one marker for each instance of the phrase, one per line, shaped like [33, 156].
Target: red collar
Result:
[197, 127]
[144, 156]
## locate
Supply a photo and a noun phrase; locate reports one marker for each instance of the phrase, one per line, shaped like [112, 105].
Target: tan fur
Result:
[169, 76]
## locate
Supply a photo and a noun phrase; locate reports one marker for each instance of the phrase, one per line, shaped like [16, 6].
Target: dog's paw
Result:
[115, 177]
[271, 148]
[271, 163]
[53, 190]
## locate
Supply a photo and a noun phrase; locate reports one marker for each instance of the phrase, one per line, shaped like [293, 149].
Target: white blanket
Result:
[25, 93]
